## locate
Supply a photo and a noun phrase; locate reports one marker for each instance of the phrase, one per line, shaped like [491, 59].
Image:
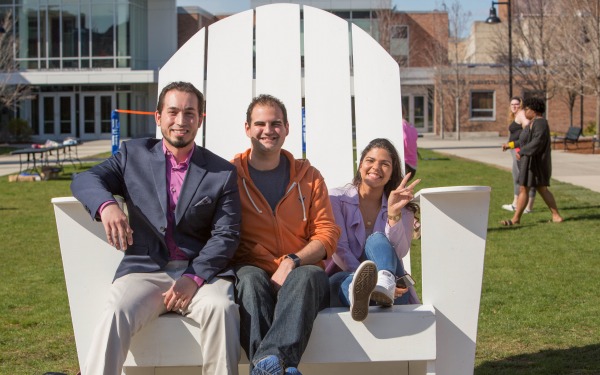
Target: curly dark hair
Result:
[538, 105]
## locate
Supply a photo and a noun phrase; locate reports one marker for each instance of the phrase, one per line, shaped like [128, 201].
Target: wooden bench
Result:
[350, 90]
[572, 136]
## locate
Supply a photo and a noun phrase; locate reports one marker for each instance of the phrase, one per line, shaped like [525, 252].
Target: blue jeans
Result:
[279, 323]
[378, 249]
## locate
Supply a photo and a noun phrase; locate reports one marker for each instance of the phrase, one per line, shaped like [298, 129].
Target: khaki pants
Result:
[136, 300]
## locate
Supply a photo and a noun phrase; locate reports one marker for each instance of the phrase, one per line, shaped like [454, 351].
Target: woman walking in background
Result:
[535, 162]
[513, 145]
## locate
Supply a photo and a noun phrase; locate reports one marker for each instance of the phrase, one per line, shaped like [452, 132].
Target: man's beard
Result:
[178, 143]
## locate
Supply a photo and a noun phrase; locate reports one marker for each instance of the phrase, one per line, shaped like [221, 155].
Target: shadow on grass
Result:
[500, 227]
[577, 360]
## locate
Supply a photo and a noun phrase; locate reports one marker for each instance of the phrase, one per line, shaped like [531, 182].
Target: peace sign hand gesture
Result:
[401, 196]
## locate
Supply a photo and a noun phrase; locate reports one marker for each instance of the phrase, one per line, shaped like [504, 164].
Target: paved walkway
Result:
[576, 169]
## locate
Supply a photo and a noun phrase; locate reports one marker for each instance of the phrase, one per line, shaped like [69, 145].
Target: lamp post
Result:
[492, 19]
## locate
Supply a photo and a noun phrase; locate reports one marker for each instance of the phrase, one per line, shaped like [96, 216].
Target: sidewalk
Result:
[577, 169]
[9, 164]
[573, 168]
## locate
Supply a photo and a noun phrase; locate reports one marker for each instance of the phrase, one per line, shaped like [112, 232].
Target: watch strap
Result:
[295, 258]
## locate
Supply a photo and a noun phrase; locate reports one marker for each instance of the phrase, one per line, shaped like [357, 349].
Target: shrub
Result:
[590, 129]
[19, 130]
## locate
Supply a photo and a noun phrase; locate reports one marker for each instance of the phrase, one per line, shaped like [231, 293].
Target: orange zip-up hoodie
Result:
[302, 215]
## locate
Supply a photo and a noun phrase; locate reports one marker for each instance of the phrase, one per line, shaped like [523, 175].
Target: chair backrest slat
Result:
[377, 97]
[229, 82]
[328, 95]
[278, 64]
[189, 59]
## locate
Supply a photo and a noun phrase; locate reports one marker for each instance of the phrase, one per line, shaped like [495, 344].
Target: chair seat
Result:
[400, 333]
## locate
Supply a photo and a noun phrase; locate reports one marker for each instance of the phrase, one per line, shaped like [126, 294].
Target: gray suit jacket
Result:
[207, 216]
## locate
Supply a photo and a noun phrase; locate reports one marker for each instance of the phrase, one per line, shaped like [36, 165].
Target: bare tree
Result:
[455, 78]
[570, 63]
[580, 48]
[534, 41]
[436, 55]
[12, 91]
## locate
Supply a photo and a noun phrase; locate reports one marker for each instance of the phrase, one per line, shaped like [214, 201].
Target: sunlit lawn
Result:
[539, 308]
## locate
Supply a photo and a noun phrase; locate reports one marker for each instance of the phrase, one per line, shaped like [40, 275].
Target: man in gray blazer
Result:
[182, 229]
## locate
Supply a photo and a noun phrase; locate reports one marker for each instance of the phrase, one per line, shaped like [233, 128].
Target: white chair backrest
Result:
[347, 77]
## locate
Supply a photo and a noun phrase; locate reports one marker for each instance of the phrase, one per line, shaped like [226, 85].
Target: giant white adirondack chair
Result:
[344, 70]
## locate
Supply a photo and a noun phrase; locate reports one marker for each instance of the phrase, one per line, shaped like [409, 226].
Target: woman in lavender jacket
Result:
[376, 218]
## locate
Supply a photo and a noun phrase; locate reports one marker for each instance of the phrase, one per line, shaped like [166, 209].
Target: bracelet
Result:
[395, 217]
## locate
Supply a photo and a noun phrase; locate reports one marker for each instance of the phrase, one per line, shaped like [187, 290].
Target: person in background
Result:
[517, 123]
[535, 162]
[376, 217]
[182, 231]
[410, 148]
[288, 230]
[411, 156]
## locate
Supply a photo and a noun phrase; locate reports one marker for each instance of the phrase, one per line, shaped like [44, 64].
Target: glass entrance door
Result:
[57, 116]
[415, 109]
[95, 111]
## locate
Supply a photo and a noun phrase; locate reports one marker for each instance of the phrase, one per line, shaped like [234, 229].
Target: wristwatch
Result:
[294, 259]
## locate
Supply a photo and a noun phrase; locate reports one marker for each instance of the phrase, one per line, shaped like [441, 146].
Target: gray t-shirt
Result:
[272, 184]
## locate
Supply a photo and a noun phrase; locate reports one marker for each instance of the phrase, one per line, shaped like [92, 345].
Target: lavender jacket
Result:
[351, 245]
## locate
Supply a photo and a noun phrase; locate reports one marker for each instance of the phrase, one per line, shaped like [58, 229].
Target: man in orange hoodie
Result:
[288, 230]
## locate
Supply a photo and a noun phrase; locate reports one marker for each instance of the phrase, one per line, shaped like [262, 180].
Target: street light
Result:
[493, 18]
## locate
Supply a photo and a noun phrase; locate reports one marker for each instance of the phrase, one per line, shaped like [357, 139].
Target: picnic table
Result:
[42, 155]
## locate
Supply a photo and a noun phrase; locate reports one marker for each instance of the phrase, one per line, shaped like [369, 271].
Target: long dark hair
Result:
[396, 176]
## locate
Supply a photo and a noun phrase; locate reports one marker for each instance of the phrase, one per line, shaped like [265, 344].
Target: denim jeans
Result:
[279, 323]
[378, 249]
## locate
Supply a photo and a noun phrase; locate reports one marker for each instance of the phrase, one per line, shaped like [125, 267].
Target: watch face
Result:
[295, 259]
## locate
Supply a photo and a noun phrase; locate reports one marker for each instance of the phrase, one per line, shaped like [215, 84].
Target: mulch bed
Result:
[584, 146]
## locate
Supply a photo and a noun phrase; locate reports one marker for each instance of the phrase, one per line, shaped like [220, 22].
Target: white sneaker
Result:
[527, 211]
[385, 289]
[508, 207]
[360, 290]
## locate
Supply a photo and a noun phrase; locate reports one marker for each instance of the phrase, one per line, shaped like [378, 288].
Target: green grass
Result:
[4, 150]
[539, 306]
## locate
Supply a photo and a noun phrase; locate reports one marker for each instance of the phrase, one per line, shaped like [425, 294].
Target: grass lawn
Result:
[6, 149]
[539, 306]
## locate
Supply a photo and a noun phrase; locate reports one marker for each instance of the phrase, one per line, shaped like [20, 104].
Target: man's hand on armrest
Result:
[116, 226]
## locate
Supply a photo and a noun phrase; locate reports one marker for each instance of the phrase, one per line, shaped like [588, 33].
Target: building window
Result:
[71, 34]
[399, 44]
[482, 105]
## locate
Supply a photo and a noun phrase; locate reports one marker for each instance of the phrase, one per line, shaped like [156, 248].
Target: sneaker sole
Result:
[365, 279]
[381, 299]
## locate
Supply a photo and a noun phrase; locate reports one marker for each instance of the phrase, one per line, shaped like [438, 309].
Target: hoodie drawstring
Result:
[302, 201]
[250, 197]
[291, 187]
